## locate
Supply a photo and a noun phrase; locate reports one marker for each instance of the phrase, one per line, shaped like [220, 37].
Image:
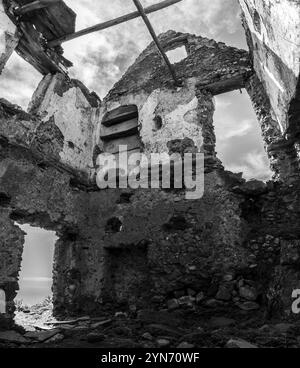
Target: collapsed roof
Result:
[37, 28]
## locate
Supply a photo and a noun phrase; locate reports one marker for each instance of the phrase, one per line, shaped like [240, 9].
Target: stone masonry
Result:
[123, 249]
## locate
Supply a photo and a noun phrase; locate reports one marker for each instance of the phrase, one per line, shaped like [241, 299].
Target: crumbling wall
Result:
[177, 112]
[35, 189]
[73, 110]
[11, 247]
[188, 245]
[159, 229]
[274, 38]
[210, 69]
[282, 153]
[272, 214]
[8, 37]
[272, 30]
[223, 249]
[124, 248]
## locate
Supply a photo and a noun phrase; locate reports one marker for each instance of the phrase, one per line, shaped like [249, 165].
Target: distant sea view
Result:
[37, 262]
[34, 290]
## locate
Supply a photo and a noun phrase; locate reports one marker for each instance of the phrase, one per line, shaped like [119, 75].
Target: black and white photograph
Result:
[149, 178]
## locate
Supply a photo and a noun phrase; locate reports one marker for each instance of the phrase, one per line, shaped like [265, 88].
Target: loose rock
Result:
[185, 345]
[239, 344]
[163, 343]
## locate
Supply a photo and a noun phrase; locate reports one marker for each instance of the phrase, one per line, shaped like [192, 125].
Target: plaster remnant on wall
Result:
[172, 109]
[275, 47]
[75, 116]
[271, 75]
[275, 50]
[126, 249]
[278, 22]
[210, 68]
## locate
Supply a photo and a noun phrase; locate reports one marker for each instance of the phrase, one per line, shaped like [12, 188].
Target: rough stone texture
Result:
[239, 344]
[282, 152]
[272, 29]
[228, 71]
[8, 37]
[210, 68]
[73, 111]
[11, 246]
[274, 41]
[235, 248]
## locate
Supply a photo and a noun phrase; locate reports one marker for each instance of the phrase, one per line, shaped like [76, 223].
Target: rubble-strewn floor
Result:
[37, 317]
[184, 328]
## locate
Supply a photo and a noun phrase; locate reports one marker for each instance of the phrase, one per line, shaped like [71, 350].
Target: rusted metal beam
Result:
[141, 10]
[112, 23]
[35, 5]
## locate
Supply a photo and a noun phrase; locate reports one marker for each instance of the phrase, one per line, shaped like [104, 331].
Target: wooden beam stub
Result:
[155, 39]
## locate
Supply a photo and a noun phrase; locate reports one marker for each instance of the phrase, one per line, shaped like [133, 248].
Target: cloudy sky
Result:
[101, 58]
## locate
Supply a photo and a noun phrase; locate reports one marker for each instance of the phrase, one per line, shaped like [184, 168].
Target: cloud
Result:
[107, 54]
[239, 141]
[18, 81]
[253, 165]
[36, 279]
[101, 58]
[244, 127]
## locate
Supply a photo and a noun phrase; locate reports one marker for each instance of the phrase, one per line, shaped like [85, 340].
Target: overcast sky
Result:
[101, 58]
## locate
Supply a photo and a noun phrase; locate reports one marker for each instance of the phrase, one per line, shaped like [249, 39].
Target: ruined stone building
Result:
[125, 248]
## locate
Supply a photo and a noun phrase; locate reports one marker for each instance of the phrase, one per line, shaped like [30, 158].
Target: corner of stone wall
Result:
[284, 160]
[11, 248]
[74, 110]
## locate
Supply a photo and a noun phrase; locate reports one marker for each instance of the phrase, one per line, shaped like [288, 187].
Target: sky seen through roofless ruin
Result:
[100, 59]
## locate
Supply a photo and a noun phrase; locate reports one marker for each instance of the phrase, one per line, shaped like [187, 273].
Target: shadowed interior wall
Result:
[138, 248]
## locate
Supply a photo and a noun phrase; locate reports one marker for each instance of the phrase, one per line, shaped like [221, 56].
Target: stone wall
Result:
[209, 69]
[272, 30]
[74, 111]
[272, 215]
[158, 244]
[134, 249]
[11, 247]
[282, 152]
[274, 38]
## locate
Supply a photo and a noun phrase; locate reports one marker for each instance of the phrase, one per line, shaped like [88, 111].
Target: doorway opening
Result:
[34, 299]
[239, 142]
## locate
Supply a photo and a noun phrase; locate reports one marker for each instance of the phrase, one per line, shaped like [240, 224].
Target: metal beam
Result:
[35, 5]
[141, 10]
[111, 23]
